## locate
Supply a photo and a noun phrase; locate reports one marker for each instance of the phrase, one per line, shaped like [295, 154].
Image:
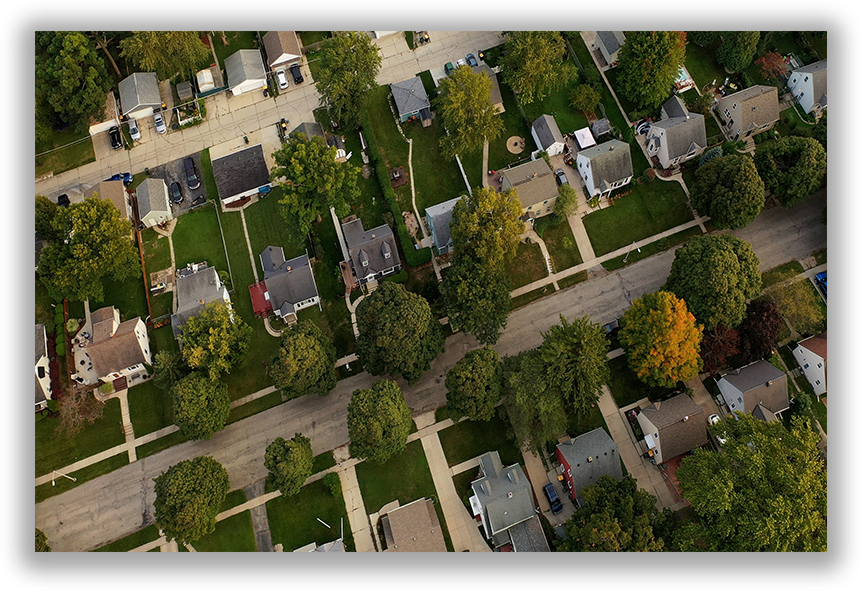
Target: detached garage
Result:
[245, 71]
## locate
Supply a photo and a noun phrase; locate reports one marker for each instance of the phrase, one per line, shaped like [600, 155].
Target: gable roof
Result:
[756, 106]
[761, 383]
[309, 129]
[763, 413]
[409, 96]
[139, 91]
[288, 282]
[240, 171]
[281, 47]
[815, 344]
[41, 348]
[413, 527]
[113, 191]
[682, 129]
[591, 456]
[534, 182]
[504, 493]
[152, 195]
[528, 536]
[600, 127]
[547, 131]
[371, 246]
[440, 217]
[818, 74]
[611, 40]
[753, 376]
[496, 95]
[115, 351]
[610, 161]
[195, 289]
[242, 65]
[680, 423]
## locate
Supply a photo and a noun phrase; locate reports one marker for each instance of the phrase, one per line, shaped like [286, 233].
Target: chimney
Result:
[590, 459]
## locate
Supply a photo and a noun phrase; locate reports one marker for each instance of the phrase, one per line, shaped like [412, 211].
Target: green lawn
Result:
[820, 412]
[160, 444]
[322, 462]
[235, 498]
[472, 163]
[311, 37]
[820, 256]
[405, 477]
[77, 150]
[234, 534]
[627, 388]
[255, 406]
[462, 483]
[127, 296]
[157, 251]
[652, 248]
[207, 175]
[614, 115]
[236, 40]
[162, 304]
[557, 104]
[132, 541]
[499, 155]
[150, 408]
[531, 296]
[562, 246]
[393, 147]
[335, 310]
[528, 265]
[469, 439]
[83, 475]
[573, 279]
[702, 66]
[293, 521]
[197, 238]
[772, 276]
[266, 227]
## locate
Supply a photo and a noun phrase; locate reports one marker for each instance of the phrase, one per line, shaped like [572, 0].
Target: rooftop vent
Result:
[769, 383]
[611, 147]
[288, 269]
[590, 459]
[511, 495]
[685, 418]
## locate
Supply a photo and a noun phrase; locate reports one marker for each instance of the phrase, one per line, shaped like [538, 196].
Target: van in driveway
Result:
[553, 499]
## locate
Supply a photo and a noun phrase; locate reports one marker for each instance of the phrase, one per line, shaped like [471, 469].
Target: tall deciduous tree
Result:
[533, 63]
[378, 421]
[797, 300]
[771, 65]
[536, 410]
[703, 38]
[78, 408]
[818, 132]
[170, 367]
[791, 167]
[93, 242]
[46, 212]
[475, 384]
[648, 64]
[661, 339]
[305, 363]
[215, 340]
[759, 331]
[349, 63]
[585, 98]
[486, 225]
[716, 276]
[477, 298]
[765, 491]
[464, 104]
[737, 50]
[312, 182]
[397, 333]
[718, 347]
[289, 462]
[567, 201]
[729, 190]
[189, 496]
[201, 405]
[42, 541]
[616, 516]
[166, 52]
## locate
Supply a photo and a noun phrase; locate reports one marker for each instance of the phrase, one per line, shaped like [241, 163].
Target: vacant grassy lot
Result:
[157, 250]
[234, 534]
[64, 150]
[627, 388]
[562, 246]
[132, 541]
[293, 521]
[469, 439]
[526, 266]
[652, 248]
[83, 475]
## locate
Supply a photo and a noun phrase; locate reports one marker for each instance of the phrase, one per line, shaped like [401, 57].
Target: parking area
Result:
[174, 172]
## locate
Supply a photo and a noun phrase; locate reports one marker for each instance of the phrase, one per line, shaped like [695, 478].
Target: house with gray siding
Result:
[678, 136]
[808, 86]
[288, 285]
[586, 458]
[139, 95]
[411, 100]
[373, 254]
[758, 388]
[605, 167]
[438, 217]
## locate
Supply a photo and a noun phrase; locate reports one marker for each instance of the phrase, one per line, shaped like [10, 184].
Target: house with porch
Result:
[585, 458]
[758, 388]
[154, 207]
[535, 187]
[411, 100]
[438, 217]
[810, 354]
[43, 375]
[748, 112]
[372, 254]
[547, 135]
[245, 71]
[282, 49]
[413, 527]
[672, 427]
[139, 95]
[609, 44]
[240, 175]
[605, 167]
[808, 86]
[678, 136]
[119, 351]
[115, 192]
[287, 286]
[196, 286]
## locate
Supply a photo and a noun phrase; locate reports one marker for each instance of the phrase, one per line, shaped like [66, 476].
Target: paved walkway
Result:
[356, 514]
[248, 243]
[259, 520]
[532, 235]
[128, 429]
[585, 247]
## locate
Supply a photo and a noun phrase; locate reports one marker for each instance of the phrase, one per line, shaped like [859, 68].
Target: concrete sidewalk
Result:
[356, 514]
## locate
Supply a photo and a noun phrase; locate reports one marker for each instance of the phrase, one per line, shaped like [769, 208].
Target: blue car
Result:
[126, 177]
[820, 280]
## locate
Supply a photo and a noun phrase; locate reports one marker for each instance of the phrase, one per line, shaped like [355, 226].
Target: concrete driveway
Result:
[174, 171]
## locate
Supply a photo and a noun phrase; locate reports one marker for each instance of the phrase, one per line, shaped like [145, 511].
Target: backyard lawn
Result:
[528, 265]
[627, 388]
[557, 104]
[499, 155]
[197, 238]
[311, 37]
[127, 296]
[266, 227]
[293, 521]
[469, 439]
[234, 534]
[562, 246]
[77, 150]
[327, 276]
[236, 40]
[702, 66]
[162, 304]
[157, 251]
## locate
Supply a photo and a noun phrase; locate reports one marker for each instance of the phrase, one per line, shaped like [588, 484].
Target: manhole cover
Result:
[515, 144]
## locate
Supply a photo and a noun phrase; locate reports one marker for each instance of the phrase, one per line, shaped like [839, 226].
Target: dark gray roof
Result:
[610, 161]
[547, 131]
[818, 72]
[185, 90]
[288, 282]
[496, 96]
[278, 43]
[505, 494]
[673, 107]
[591, 456]
[41, 348]
[683, 130]
[440, 216]
[764, 414]
[370, 245]
[677, 434]
[309, 129]
[242, 65]
[335, 141]
[756, 106]
[240, 171]
[753, 376]
[600, 127]
[139, 91]
[533, 181]
[528, 536]
[612, 40]
[194, 292]
[409, 96]
[152, 196]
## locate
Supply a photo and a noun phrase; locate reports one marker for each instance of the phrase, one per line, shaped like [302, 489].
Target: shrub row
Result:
[413, 257]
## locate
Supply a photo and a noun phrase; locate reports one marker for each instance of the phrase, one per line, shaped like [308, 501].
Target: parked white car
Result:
[160, 124]
[282, 79]
[134, 130]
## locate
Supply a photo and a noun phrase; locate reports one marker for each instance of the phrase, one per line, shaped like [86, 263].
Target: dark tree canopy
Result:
[215, 340]
[729, 190]
[46, 212]
[535, 408]
[166, 52]
[189, 496]
[718, 347]
[378, 421]
[759, 331]
[771, 65]
[169, 368]
[475, 384]
[42, 541]
[486, 225]
[201, 405]
[533, 63]
[289, 462]
[648, 64]
[349, 62]
[585, 98]
[703, 38]
[464, 105]
[737, 49]
[791, 167]
[305, 363]
[818, 132]
[477, 298]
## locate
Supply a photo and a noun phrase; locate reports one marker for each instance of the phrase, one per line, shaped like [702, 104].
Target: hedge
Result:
[60, 348]
[413, 257]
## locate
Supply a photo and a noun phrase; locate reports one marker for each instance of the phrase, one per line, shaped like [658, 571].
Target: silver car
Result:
[160, 124]
[134, 130]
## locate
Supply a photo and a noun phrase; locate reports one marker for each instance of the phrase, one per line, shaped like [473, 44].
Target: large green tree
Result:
[797, 301]
[477, 298]
[475, 384]
[215, 340]
[534, 62]
[189, 496]
[201, 405]
[818, 132]
[289, 462]
[716, 276]
[46, 212]
[347, 72]
[616, 516]
[305, 363]
[464, 104]
[312, 182]
[486, 225]
[378, 421]
[567, 201]
[170, 367]
[648, 64]
[397, 333]
[71, 78]
[93, 243]
[42, 541]
[536, 410]
[765, 491]
[737, 49]
[703, 38]
[166, 52]
[728, 190]
[585, 98]
[791, 167]
[661, 339]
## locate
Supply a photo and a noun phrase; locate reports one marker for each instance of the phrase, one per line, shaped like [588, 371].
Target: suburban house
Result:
[139, 95]
[605, 167]
[245, 71]
[119, 351]
[111, 118]
[748, 112]
[43, 377]
[808, 86]
[810, 354]
[115, 192]
[413, 527]
[411, 100]
[196, 286]
[609, 43]
[496, 96]
[672, 427]
[547, 135]
[154, 207]
[373, 254]
[759, 389]
[586, 458]
[333, 546]
[678, 136]
[535, 186]
[287, 286]
[240, 174]
[438, 217]
[503, 502]
[282, 48]
[310, 130]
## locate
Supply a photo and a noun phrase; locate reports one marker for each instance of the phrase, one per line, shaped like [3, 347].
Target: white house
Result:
[119, 350]
[609, 44]
[808, 86]
[43, 378]
[245, 71]
[678, 136]
[547, 135]
[154, 207]
[810, 354]
[288, 286]
[605, 167]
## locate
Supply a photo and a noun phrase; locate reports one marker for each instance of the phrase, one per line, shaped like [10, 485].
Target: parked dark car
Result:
[191, 175]
[561, 177]
[820, 280]
[176, 193]
[448, 68]
[296, 72]
[471, 60]
[553, 499]
[63, 200]
[116, 139]
[611, 328]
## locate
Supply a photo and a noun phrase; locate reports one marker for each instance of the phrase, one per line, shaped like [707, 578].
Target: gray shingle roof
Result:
[590, 456]
[118, 351]
[370, 245]
[504, 493]
[683, 130]
[310, 130]
[547, 131]
[278, 43]
[611, 40]
[753, 375]
[242, 65]
[673, 107]
[185, 90]
[41, 348]
[139, 91]
[755, 107]
[763, 413]
[496, 96]
[533, 181]
[440, 216]
[676, 434]
[818, 72]
[528, 536]
[409, 96]
[152, 196]
[240, 171]
[288, 282]
[600, 127]
[610, 161]
[194, 292]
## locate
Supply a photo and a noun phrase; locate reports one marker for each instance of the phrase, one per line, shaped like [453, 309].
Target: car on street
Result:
[561, 177]
[611, 328]
[134, 130]
[296, 72]
[176, 193]
[281, 77]
[192, 179]
[448, 68]
[553, 499]
[471, 60]
[116, 139]
[126, 177]
[820, 281]
[160, 123]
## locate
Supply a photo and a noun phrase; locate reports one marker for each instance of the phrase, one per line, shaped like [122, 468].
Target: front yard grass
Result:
[157, 251]
[83, 475]
[469, 439]
[772, 276]
[528, 265]
[234, 534]
[627, 388]
[150, 408]
[652, 248]
[578, 277]
[132, 541]
[160, 444]
[64, 150]
[293, 520]
[531, 296]
[255, 406]
[580, 425]
[562, 246]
